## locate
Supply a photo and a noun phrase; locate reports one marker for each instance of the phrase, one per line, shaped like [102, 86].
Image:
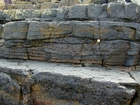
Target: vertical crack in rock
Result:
[21, 93]
[136, 95]
[26, 46]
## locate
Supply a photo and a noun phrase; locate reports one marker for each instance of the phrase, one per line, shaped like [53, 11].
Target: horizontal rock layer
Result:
[41, 83]
[82, 42]
[115, 11]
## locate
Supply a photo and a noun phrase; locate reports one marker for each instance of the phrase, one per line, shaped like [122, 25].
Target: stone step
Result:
[72, 42]
[35, 83]
[46, 5]
[109, 12]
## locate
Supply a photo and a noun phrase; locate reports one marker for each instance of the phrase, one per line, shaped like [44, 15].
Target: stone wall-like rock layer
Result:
[72, 42]
[115, 11]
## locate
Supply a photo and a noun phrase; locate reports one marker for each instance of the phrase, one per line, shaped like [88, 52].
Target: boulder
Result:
[15, 30]
[116, 10]
[95, 10]
[78, 11]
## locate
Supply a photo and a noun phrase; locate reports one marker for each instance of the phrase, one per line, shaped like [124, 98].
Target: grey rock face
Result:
[63, 84]
[48, 13]
[116, 48]
[62, 13]
[116, 10]
[95, 10]
[9, 90]
[78, 11]
[73, 42]
[130, 11]
[39, 30]
[15, 30]
[119, 30]
[23, 14]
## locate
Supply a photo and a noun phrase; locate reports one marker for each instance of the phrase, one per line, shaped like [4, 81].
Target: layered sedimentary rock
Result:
[41, 83]
[82, 35]
[72, 42]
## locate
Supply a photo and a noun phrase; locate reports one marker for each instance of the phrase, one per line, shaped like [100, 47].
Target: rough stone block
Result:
[9, 6]
[131, 60]
[9, 14]
[43, 0]
[48, 13]
[130, 11]
[134, 49]
[54, 1]
[116, 30]
[116, 10]
[25, 13]
[87, 1]
[86, 30]
[64, 3]
[78, 11]
[10, 90]
[69, 2]
[48, 5]
[95, 10]
[24, 6]
[61, 29]
[15, 30]
[73, 2]
[113, 52]
[62, 13]
[40, 30]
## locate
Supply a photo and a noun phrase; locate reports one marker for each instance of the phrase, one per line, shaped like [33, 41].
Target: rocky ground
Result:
[41, 83]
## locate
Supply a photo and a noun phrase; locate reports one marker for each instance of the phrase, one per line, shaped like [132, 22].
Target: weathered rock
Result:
[133, 54]
[24, 6]
[113, 52]
[86, 29]
[22, 14]
[95, 10]
[78, 11]
[15, 30]
[69, 2]
[61, 84]
[138, 33]
[48, 13]
[40, 30]
[9, 90]
[62, 13]
[49, 5]
[130, 11]
[87, 1]
[115, 30]
[116, 10]
[61, 29]
[9, 14]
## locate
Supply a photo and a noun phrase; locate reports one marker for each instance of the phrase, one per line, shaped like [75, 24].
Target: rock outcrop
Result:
[99, 43]
[41, 83]
[72, 42]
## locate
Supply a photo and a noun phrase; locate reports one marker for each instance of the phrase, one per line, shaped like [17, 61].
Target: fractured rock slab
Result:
[62, 83]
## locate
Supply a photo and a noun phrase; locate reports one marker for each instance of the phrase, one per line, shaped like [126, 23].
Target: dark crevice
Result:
[21, 93]
[131, 75]
[135, 97]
